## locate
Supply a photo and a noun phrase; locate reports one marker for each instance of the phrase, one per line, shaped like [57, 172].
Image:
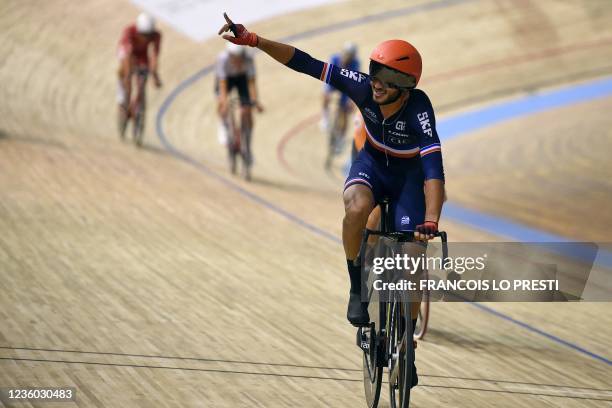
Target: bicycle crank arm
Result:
[363, 340]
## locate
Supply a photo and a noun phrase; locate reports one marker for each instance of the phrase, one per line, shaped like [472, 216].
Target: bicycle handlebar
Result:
[367, 232]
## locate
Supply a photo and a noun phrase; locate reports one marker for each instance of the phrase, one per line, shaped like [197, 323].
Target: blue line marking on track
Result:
[453, 126]
[294, 218]
[543, 333]
[518, 232]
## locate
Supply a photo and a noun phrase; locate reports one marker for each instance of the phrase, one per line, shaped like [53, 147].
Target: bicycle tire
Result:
[122, 121]
[372, 362]
[139, 118]
[399, 332]
[245, 152]
[233, 143]
[138, 127]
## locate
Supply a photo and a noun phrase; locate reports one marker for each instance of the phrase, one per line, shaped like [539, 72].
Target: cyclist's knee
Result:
[358, 203]
[245, 111]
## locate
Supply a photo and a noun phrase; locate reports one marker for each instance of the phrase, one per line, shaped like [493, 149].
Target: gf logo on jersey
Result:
[400, 125]
[405, 220]
[425, 125]
[355, 76]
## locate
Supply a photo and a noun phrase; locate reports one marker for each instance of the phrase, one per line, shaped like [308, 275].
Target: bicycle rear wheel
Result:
[401, 354]
[139, 117]
[245, 152]
[372, 361]
[138, 127]
[122, 121]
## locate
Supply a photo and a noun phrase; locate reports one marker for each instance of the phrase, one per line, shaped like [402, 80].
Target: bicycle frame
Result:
[239, 141]
[389, 327]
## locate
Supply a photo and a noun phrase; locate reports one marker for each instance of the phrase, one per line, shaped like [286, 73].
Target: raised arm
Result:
[354, 84]
[279, 51]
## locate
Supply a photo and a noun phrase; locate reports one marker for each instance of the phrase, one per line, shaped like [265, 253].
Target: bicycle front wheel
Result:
[373, 360]
[401, 354]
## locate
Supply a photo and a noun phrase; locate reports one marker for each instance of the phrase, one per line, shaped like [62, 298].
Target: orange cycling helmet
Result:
[400, 56]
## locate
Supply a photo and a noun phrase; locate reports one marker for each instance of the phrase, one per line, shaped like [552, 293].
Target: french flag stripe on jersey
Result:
[430, 149]
[329, 73]
[325, 73]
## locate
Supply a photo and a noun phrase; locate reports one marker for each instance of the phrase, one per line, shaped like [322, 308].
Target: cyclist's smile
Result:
[381, 93]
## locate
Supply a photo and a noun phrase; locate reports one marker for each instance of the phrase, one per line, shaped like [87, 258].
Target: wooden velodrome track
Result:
[143, 279]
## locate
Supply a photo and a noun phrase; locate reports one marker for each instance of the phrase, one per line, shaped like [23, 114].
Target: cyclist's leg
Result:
[141, 81]
[361, 191]
[124, 72]
[228, 117]
[327, 91]
[246, 115]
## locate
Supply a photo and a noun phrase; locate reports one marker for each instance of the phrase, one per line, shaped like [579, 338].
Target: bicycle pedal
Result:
[364, 337]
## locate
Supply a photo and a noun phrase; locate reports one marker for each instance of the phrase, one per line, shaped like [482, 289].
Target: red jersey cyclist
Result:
[401, 158]
[138, 53]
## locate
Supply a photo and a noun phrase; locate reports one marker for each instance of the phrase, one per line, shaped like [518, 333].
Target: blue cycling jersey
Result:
[336, 59]
[406, 137]
[352, 65]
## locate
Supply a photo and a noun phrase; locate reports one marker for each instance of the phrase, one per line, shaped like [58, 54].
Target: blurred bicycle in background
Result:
[235, 69]
[237, 137]
[136, 63]
[334, 122]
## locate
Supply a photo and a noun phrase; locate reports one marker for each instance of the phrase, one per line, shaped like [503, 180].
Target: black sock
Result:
[355, 276]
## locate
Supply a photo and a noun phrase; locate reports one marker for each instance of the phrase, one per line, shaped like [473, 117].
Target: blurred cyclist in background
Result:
[137, 40]
[346, 59]
[236, 69]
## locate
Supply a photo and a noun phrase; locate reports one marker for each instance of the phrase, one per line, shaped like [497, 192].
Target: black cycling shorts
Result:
[240, 82]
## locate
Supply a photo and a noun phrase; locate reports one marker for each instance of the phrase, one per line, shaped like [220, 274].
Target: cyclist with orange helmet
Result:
[401, 159]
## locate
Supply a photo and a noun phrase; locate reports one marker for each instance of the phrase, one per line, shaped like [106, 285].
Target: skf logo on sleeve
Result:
[355, 76]
[425, 125]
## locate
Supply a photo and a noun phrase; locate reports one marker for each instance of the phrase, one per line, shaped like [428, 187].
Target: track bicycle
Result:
[238, 139]
[138, 115]
[387, 341]
[336, 134]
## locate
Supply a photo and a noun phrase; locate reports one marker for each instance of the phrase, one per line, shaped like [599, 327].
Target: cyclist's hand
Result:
[241, 36]
[426, 231]
[258, 106]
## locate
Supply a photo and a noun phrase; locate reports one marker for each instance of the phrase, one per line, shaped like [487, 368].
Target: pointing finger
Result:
[223, 29]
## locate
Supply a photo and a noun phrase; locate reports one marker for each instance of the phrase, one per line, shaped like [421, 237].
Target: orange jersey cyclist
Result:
[401, 158]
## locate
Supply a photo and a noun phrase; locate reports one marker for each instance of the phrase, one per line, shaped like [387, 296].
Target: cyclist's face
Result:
[382, 92]
[144, 38]
[346, 58]
[236, 60]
